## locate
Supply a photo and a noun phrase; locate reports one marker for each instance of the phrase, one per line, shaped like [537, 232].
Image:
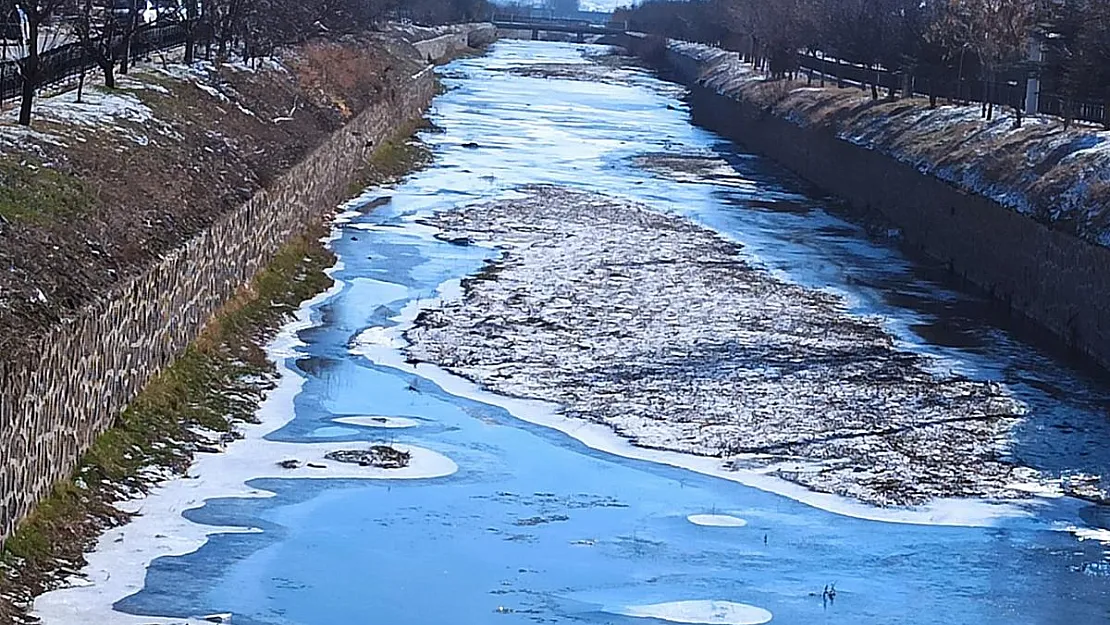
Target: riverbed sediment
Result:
[666, 332]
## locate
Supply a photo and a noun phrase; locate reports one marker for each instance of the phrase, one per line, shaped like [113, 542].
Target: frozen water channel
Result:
[534, 526]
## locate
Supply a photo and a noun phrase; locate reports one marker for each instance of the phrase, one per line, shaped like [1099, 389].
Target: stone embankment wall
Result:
[459, 40]
[1051, 278]
[56, 401]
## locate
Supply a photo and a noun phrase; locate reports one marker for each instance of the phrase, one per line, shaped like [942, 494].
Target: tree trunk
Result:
[989, 97]
[221, 47]
[960, 79]
[109, 74]
[30, 74]
[81, 81]
[129, 37]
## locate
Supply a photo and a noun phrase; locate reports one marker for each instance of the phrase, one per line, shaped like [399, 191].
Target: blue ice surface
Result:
[536, 527]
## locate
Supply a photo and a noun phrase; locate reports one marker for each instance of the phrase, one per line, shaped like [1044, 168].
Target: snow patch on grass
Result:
[97, 108]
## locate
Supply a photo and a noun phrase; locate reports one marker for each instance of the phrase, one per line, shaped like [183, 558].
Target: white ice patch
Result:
[117, 566]
[716, 520]
[709, 612]
[1091, 533]
[96, 109]
[180, 71]
[423, 463]
[377, 335]
[951, 512]
[370, 421]
[212, 91]
[450, 290]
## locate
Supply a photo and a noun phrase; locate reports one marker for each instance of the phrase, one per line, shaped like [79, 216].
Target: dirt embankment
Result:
[100, 188]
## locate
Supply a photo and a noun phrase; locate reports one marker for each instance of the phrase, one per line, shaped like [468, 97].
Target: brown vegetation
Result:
[88, 206]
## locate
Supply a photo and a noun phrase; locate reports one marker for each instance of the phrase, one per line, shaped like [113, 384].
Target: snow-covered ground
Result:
[1057, 176]
[661, 330]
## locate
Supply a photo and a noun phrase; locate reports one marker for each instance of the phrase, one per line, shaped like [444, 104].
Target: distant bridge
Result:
[538, 25]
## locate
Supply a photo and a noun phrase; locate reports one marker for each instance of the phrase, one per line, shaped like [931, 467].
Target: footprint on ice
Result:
[706, 612]
[716, 520]
[371, 421]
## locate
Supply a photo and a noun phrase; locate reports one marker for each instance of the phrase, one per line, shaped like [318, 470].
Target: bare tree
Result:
[39, 35]
[1000, 31]
[97, 31]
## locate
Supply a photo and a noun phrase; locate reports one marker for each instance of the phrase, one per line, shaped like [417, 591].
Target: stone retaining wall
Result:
[1053, 279]
[57, 398]
[459, 40]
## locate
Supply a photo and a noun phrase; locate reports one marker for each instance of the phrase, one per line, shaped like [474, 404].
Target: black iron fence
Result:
[1073, 109]
[66, 61]
[1009, 92]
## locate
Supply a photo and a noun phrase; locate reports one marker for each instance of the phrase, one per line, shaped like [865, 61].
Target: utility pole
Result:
[1033, 81]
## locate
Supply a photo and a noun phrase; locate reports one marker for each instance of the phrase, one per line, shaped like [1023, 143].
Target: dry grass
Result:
[214, 384]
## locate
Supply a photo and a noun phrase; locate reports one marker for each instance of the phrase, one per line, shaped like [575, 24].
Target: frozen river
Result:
[535, 526]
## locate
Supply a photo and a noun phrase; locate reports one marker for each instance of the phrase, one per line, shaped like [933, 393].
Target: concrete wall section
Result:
[460, 39]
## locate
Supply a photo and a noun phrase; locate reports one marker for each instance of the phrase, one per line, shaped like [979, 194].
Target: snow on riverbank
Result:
[1056, 176]
[659, 329]
[117, 567]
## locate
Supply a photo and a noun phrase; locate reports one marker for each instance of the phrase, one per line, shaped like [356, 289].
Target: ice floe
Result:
[716, 520]
[372, 421]
[707, 612]
[667, 333]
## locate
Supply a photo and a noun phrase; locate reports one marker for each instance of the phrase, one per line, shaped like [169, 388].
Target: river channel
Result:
[536, 526]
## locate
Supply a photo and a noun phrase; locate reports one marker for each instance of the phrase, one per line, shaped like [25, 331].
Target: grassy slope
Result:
[214, 384]
[217, 382]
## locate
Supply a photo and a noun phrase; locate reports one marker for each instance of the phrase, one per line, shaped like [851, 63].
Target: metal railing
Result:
[66, 61]
[1007, 93]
